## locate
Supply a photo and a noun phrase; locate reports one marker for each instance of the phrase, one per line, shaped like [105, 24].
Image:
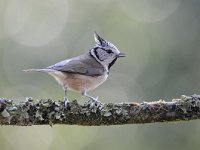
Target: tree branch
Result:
[49, 112]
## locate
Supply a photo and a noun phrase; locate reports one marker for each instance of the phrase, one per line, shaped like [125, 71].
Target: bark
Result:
[49, 112]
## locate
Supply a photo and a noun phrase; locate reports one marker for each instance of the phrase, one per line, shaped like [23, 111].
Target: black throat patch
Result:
[112, 63]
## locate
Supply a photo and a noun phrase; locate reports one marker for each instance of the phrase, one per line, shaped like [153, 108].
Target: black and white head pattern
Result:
[104, 52]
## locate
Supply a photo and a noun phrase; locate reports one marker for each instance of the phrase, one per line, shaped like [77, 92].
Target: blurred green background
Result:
[161, 39]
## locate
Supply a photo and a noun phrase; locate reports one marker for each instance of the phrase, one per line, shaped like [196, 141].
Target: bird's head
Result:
[105, 52]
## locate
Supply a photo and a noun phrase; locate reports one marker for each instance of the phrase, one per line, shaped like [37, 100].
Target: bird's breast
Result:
[78, 82]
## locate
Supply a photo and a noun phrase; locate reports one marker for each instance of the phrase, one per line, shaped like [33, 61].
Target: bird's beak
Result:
[121, 55]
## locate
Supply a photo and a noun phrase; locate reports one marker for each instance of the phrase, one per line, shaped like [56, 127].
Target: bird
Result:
[85, 72]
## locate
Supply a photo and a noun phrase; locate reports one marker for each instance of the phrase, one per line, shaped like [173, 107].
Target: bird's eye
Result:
[109, 51]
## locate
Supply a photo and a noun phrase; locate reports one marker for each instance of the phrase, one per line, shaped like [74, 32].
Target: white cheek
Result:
[111, 58]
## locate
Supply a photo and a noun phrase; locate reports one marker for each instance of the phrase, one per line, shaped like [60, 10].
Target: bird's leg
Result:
[84, 93]
[65, 97]
[92, 102]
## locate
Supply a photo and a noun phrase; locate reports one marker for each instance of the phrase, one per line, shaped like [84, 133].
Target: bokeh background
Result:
[161, 39]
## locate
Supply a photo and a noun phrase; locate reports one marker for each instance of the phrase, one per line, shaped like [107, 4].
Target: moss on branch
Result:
[49, 112]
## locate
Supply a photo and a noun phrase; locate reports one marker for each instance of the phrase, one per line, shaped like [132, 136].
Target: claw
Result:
[94, 100]
[66, 101]
[93, 103]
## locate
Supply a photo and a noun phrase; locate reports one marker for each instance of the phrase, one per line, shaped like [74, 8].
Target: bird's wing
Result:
[83, 64]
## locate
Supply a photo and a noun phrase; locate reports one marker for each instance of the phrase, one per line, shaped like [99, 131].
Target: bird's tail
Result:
[38, 70]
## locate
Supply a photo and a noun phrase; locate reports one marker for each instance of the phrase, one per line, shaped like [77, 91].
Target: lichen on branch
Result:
[49, 112]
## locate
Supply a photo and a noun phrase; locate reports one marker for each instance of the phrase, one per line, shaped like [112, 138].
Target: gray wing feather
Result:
[83, 64]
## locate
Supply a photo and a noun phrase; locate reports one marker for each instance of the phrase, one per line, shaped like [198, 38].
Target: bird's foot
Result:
[66, 101]
[95, 99]
[93, 102]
